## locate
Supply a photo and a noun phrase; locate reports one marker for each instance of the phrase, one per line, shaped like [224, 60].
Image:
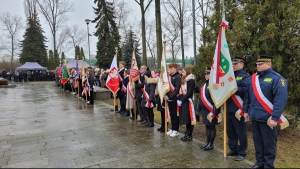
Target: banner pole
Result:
[166, 118]
[134, 106]
[114, 103]
[225, 129]
[78, 87]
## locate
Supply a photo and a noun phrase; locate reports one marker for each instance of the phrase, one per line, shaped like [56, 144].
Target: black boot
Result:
[151, 120]
[158, 129]
[203, 146]
[185, 135]
[126, 113]
[188, 137]
[132, 115]
[210, 146]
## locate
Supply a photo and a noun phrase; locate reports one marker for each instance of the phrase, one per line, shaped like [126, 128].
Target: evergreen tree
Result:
[51, 65]
[107, 33]
[77, 53]
[56, 61]
[127, 50]
[33, 45]
[271, 28]
[82, 54]
[62, 58]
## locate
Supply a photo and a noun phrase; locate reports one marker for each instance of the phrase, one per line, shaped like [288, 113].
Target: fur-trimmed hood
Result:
[189, 77]
[152, 80]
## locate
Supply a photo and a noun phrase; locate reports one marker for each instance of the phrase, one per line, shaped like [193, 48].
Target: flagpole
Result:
[134, 106]
[225, 129]
[114, 103]
[166, 117]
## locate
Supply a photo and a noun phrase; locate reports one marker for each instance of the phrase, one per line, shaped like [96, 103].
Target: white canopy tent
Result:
[31, 66]
[72, 63]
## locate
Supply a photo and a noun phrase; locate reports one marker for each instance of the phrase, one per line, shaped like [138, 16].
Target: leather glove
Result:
[179, 102]
[166, 98]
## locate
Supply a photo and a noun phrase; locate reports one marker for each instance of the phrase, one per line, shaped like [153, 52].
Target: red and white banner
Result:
[134, 70]
[113, 78]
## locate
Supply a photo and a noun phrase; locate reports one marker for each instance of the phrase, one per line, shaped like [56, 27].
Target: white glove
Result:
[179, 102]
[166, 98]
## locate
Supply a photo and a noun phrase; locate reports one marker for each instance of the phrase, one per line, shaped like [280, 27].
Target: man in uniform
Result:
[171, 97]
[236, 126]
[264, 102]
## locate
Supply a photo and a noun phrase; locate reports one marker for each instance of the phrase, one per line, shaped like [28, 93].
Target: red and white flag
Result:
[134, 70]
[113, 78]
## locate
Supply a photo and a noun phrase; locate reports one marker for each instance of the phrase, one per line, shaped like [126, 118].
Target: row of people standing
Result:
[249, 102]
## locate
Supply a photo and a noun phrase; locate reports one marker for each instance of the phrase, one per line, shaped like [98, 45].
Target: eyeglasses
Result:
[234, 63]
[207, 73]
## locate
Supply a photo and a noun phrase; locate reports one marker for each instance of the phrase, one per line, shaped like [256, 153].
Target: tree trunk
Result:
[12, 53]
[173, 53]
[143, 33]
[158, 32]
[181, 34]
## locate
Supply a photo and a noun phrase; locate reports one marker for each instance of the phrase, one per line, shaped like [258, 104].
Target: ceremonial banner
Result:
[134, 70]
[113, 78]
[163, 82]
[222, 83]
[65, 75]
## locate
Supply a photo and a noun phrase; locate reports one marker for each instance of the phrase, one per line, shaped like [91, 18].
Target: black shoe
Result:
[182, 138]
[162, 130]
[131, 118]
[239, 158]
[203, 146]
[232, 153]
[147, 124]
[126, 113]
[187, 138]
[150, 125]
[210, 146]
[257, 166]
[159, 128]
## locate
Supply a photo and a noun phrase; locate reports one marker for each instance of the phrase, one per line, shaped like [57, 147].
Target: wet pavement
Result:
[41, 126]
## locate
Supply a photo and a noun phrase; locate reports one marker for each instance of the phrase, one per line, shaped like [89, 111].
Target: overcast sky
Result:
[82, 10]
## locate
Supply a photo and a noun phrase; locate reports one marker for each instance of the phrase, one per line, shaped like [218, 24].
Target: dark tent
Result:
[31, 66]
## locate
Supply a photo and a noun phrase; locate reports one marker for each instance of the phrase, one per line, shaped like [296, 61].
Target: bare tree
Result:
[151, 40]
[144, 8]
[171, 30]
[29, 8]
[11, 25]
[55, 12]
[177, 10]
[76, 36]
[122, 13]
[203, 12]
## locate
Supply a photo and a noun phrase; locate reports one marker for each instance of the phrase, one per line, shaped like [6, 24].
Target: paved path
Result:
[42, 127]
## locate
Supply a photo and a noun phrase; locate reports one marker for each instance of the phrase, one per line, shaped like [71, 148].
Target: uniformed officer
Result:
[236, 126]
[264, 102]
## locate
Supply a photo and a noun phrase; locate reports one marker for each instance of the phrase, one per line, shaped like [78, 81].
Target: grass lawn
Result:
[288, 149]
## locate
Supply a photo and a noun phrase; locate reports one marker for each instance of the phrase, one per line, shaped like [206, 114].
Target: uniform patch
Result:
[282, 82]
[239, 78]
[268, 80]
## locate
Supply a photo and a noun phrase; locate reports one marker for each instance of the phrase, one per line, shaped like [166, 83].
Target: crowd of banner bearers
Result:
[260, 97]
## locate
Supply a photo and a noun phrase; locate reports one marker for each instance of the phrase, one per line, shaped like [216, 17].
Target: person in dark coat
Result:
[149, 97]
[208, 110]
[185, 101]
[171, 97]
[139, 85]
[236, 126]
[90, 79]
[125, 81]
[264, 102]
[121, 75]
